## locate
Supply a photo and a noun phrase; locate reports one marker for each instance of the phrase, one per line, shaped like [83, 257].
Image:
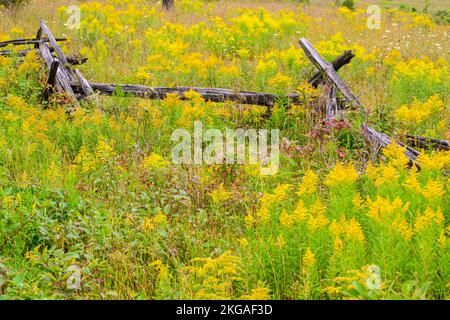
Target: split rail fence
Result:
[65, 80]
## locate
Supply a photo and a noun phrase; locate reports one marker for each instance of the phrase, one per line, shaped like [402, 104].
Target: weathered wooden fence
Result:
[71, 83]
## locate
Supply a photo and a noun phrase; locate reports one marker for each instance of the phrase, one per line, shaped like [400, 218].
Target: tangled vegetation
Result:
[97, 189]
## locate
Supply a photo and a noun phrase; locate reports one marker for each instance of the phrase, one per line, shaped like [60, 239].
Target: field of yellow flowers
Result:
[95, 194]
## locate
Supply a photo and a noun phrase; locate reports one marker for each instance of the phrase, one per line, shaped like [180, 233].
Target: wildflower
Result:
[353, 230]
[160, 218]
[154, 161]
[418, 112]
[257, 294]
[220, 195]
[338, 244]
[17, 103]
[286, 219]
[392, 57]
[308, 259]
[309, 183]
[396, 155]
[427, 218]
[249, 220]
[331, 290]
[388, 174]
[147, 224]
[300, 213]
[412, 183]
[382, 208]
[317, 222]
[280, 191]
[442, 240]
[318, 207]
[193, 96]
[243, 242]
[30, 63]
[103, 151]
[372, 171]
[402, 226]
[433, 190]
[357, 201]
[161, 268]
[281, 82]
[341, 174]
[4, 61]
[86, 160]
[307, 89]
[436, 161]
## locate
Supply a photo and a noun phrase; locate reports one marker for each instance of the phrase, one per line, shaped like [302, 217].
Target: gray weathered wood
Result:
[327, 68]
[85, 85]
[331, 106]
[52, 81]
[17, 42]
[53, 71]
[62, 80]
[427, 143]
[57, 49]
[73, 60]
[337, 63]
[209, 94]
[380, 140]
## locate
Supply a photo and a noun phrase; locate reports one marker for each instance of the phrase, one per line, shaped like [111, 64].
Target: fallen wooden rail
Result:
[209, 94]
[427, 143]
[73, 60]
[17, 42]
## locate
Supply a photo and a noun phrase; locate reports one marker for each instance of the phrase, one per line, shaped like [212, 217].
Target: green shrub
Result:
[349, 4]
[12, 3]
[442, 16]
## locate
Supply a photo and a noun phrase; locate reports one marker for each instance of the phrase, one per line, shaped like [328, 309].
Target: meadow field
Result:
[93, 207]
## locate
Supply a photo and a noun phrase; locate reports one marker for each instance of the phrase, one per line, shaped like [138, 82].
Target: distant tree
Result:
[168, 4]
[350, 4]
[10, 3]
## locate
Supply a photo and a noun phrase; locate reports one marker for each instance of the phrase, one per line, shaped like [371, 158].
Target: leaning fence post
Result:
[51, 82]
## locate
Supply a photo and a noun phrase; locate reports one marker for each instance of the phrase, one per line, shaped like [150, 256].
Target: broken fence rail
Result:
[72, 59]
[18, 42]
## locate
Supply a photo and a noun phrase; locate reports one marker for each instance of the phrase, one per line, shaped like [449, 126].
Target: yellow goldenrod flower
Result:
[309, 183]
[243, 242]
[341, 174]
[308, 260]
[358, 201]
[220, 195]
[301, 212]
[257, 294]
[433, 190]
[286, 219]
[154, 161]
[353, 230]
